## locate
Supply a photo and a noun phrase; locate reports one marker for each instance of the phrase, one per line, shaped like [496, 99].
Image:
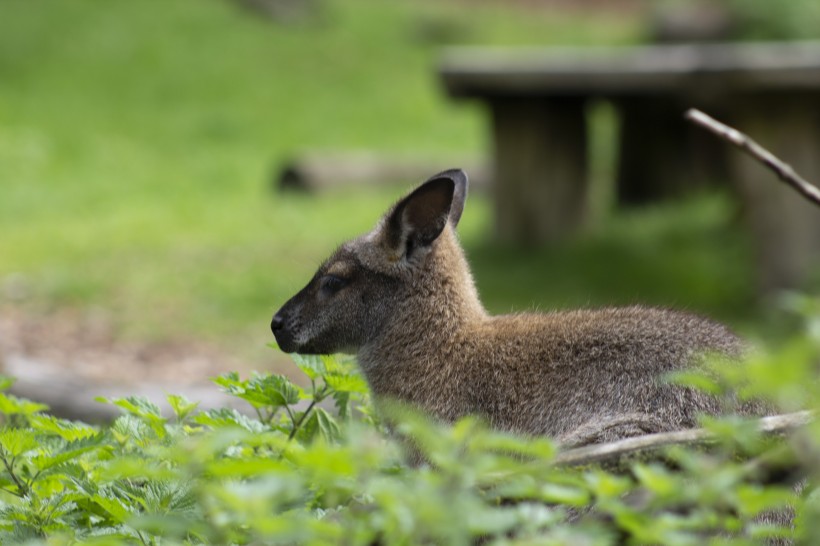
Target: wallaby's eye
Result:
[330, 284]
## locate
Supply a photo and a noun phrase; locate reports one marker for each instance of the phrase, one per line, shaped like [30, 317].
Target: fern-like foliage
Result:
[312, 466]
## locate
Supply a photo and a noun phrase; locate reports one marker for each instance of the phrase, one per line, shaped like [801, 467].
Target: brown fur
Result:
[402, 298]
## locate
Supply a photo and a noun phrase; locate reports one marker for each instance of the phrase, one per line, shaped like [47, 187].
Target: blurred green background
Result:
[139, 141]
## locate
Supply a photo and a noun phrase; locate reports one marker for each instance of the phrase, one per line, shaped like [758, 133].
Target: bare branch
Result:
[742, 141]
[775, 424]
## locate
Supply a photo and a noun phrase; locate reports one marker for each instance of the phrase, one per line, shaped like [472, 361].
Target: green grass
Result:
[691, 255]
[138, 141]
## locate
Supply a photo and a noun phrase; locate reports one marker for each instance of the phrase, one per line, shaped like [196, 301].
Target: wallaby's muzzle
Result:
[284, 337]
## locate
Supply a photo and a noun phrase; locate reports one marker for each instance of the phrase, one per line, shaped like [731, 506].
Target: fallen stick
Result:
[598, 453]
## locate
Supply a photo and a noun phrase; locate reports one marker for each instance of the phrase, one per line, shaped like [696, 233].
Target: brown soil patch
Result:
[85, 345]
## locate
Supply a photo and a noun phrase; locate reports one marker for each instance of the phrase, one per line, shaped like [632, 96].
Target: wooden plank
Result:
[625, 71]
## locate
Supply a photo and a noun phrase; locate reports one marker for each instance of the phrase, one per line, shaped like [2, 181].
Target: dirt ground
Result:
[67, 358]
[85, 345]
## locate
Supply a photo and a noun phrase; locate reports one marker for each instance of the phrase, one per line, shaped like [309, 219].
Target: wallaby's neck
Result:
[447, 273]
[442, 305]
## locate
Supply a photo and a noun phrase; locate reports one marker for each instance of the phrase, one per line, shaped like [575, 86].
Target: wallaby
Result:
[402, 298]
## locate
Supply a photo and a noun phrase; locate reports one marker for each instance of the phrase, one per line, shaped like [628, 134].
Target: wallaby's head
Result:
[408, 265]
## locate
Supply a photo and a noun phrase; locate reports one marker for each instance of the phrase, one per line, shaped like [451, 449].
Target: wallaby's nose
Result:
[277, 323]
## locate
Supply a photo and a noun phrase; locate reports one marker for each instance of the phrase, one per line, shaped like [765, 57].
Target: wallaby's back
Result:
[402, 298]
[596, 375]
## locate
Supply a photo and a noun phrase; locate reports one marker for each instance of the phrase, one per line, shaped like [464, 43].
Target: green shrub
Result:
[301, 472]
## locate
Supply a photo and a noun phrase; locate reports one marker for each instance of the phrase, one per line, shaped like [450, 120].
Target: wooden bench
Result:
[538, 99]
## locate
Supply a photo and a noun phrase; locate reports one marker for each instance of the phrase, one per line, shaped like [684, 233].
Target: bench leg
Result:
[661, 157]
[784, 225]
[540, 177]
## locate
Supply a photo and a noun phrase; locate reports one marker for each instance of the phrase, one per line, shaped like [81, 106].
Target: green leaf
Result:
[741, 432]
[11, 405]
[229, 380]
[327, 425]
[6, 382]
[136, 468]
[228, 417]
[754, 499]
[166, 495]
[67, 430]
[116, 508]
[318, 423]
[142, 408]
[657, 479]
[174, 528]
[313, 366]
[698, 380]
[541, 448]
[607, 486]
[69, 452]
[342, 402]
[564, 494]
[245, 467]
[276, 390]
[129, 428]
[261, 390]
[136, 405]
[17, 441]
[181, 405]
[336, 363]
[346, 383]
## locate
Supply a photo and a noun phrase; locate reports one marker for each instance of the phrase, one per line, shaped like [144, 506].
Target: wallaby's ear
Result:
[461, 183]
[418, 219]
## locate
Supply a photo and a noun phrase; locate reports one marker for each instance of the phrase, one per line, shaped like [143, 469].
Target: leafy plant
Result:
[295, 470]
[275, 398]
